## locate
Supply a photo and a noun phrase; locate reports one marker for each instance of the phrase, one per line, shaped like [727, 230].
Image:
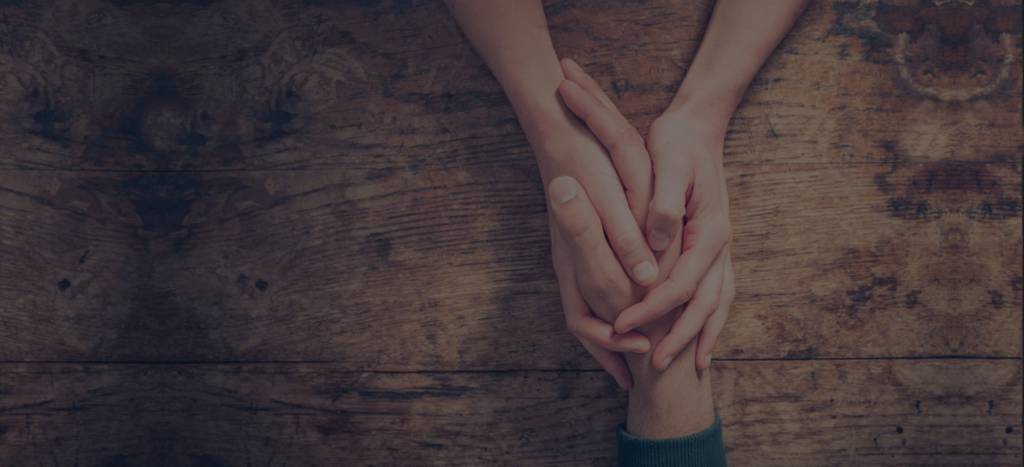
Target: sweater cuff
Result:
[700, 449]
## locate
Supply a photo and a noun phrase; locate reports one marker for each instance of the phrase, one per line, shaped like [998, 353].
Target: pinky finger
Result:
[715, 323]
[612, 362]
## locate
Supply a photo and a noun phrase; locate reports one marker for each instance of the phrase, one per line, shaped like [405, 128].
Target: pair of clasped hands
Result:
[640, 232]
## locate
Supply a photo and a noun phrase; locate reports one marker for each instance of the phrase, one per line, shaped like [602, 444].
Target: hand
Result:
[586, 267]
[618, 181]
[593, 282]
[689, 191]
[688, 164]
[666, 401]
[593, 286]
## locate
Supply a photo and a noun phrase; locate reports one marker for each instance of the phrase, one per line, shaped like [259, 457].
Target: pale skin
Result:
[640, 227]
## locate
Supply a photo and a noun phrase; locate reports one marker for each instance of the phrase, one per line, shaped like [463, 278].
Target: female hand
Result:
[689, 191]
[688, 181]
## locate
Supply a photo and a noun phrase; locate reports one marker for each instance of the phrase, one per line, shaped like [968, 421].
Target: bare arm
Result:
[513, 39]
[595, 268]
[739, 38]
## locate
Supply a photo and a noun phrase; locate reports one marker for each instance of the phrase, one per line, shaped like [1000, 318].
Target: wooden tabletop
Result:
[241, 233]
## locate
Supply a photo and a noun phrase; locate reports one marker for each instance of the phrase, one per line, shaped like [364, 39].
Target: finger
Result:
[612, 362]
[586, 326]
[574, 72]
[585, 231]
[574, 215]
[712, 329]
[586, 265]
[702, 244]
[597, 271]
[665, 213]
[582, 323]
[575, 307]
[623, 143]
[693, 318]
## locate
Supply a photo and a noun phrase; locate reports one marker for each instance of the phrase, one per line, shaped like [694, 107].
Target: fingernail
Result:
[562, 190]
[659, 240]
[645, 272]
[572, 64]
[666, 362]
[707, 361]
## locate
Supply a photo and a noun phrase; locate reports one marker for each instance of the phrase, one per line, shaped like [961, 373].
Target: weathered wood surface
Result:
[393, 84]
[254, 182]
[780, 413]
[445, 270]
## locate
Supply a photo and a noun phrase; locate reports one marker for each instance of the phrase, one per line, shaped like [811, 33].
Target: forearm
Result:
[740, 36]
[512, 37]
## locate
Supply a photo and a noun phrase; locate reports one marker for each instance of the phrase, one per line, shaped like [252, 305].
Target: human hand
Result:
[594, 288]
[666, 401]
[593, 285]
[689, 192]
[603, 238]
[688, 167]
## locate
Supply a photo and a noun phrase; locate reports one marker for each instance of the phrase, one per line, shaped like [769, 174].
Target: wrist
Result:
[704, 133]
[671, 403]
[671, 407]
[712, 108]
[555, 137]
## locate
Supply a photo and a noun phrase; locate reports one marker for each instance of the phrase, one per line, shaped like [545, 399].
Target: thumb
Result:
[573, 213]
[668, 206]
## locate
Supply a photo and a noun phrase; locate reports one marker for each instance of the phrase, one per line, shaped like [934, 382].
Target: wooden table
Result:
[312, 233]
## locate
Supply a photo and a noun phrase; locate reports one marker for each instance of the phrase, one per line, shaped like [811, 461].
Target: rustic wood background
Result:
[263, 233]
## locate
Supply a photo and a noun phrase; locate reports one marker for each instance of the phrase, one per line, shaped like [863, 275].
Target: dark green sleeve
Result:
[704, 448]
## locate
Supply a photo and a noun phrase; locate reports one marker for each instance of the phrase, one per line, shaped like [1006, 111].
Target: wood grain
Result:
[284, 232]
[361, 85]
[442, 270]
[779, 413]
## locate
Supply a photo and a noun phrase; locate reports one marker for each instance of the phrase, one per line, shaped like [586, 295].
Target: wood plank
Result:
[368, 85]
[416, 269]
[896, 412]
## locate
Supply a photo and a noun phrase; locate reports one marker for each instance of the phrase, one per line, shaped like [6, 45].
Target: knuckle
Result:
[608, 293]
[605, 286]
[667, 213]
